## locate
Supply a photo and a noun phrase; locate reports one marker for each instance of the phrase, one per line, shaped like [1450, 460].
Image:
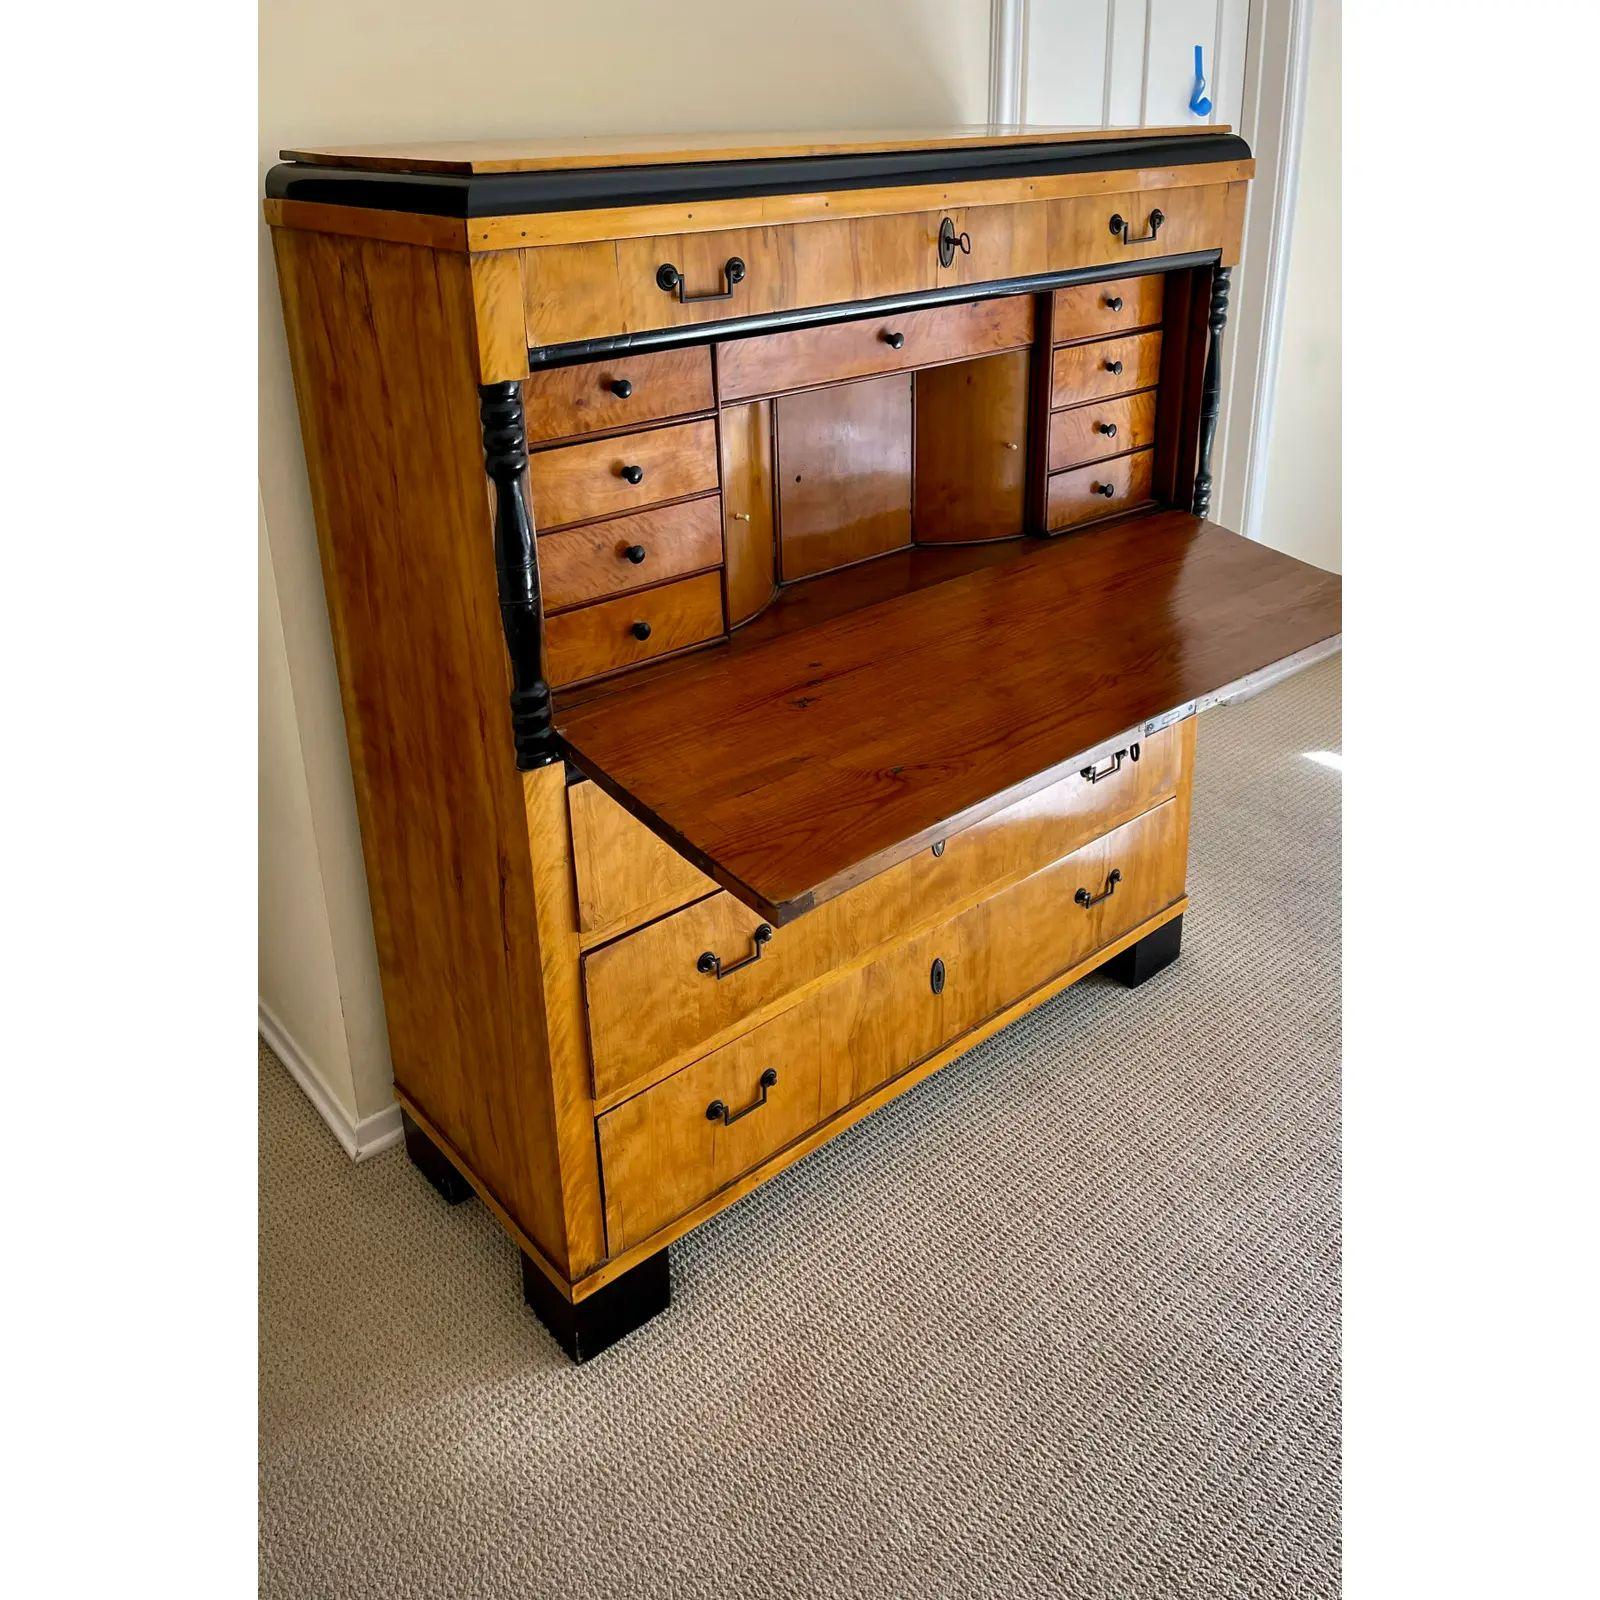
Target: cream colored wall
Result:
[1301, 504]
[350, 70]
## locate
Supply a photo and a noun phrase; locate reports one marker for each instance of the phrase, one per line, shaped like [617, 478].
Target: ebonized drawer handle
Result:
[1120, 228]
[711, 963]
[1114, 764]
[895, 341]
[1106, 489]
[632, 474]
[950, 241]
[670, 279]
[620, 387]
[640, 631]
[1109, 429]
[1113, 302]
[718, 1110]
[1085, 899]
[635, 553]
[1114, 368]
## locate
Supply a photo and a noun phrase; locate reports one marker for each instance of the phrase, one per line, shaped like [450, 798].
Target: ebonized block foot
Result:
[433, 1164]
[585, 1329]
[1146, 958]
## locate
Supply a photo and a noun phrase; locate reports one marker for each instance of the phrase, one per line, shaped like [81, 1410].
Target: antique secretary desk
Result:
[771, 594]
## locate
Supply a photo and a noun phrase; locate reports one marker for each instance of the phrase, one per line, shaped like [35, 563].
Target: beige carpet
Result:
[1061, 1321]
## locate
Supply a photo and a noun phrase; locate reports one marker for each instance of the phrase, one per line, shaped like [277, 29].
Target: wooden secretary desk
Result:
[831, 512]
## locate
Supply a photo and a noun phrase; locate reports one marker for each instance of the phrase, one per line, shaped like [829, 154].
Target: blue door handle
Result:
[1198, 102]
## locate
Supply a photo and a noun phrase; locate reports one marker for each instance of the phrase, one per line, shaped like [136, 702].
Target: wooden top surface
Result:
[794, 770]
[474, 156]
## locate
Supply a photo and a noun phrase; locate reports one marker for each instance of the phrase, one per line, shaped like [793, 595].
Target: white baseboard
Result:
[360, 1138]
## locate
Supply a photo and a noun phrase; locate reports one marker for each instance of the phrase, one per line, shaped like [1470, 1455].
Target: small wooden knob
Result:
[636, 474]
[620, 387]
[641, 630]
[635, 553]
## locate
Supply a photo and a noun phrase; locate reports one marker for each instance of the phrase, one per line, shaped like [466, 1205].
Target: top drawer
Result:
[1091, 310]
[656, 1000]
[617, 393]
[777, 361]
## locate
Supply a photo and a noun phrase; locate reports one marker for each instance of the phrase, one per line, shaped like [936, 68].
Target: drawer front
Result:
[651, 1008]
[676, 1144]
[1102, 428]
[633, 628]
[1093, 310]
[778, 361]
[598, 559]
[624, 873]
[578, 481]
[1107, 367]
[1206, 217]
[617, 393]
[1099, 490]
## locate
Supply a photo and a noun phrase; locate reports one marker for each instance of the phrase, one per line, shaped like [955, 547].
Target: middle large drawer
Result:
[669, 992]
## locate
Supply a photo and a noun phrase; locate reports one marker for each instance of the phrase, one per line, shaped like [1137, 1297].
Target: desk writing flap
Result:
[792, 770]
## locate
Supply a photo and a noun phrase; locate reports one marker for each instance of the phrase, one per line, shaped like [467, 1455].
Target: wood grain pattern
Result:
[601, 638]
[382, 339]
[971, 449]
[1091, 311]
[500, 317]
[1080, 495]
[1004, 242]
[651, 1010]
[367, 222]
[661, 1154]
[844, 474]
[624, 874]
[1078, 436]
[575, 152]
[590, 561]
[562, 402]
[1087, 371]
[872, 734]
[771, 363]
[749, 516]
[576, 482]
[1200, 218]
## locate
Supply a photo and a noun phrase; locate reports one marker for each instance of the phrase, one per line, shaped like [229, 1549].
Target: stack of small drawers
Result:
[1105, 364]
[629, 522]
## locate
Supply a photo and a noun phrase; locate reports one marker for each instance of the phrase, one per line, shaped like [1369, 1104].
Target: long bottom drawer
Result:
[676, 1144]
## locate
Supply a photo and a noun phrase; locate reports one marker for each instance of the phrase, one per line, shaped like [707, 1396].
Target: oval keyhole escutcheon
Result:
[936, 976]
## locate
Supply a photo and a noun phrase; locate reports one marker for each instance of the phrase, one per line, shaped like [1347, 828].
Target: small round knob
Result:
[1109, 429]
[1113, 302]
[636, 474]
[634, 553]
[1103, 488]
[1113, 367]
[622, 387]
[894, 340]
[641, 630]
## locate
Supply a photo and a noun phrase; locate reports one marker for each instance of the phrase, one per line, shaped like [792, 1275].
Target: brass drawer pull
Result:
[634, 553]
[1095, 774]
[1120, 228]
[950, 241]
[1085, 899]
[631, 474]
[671, 280]
[718, 1109]
[711, 962]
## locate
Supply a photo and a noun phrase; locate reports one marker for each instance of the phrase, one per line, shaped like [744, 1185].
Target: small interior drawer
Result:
[1093, 310]
[617, 393]
[769, 363]
[575, 482]
[1094, 491]
[595, 560]
[632, 628]
[1105, 367]
[1102, 428]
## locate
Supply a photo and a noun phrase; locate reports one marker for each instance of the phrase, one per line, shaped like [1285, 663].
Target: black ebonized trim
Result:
[510, 194]
[505, 456]
[585, 1328]
[562, 355]
[432, 1162]
[1145, 959]
[1211, 390]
